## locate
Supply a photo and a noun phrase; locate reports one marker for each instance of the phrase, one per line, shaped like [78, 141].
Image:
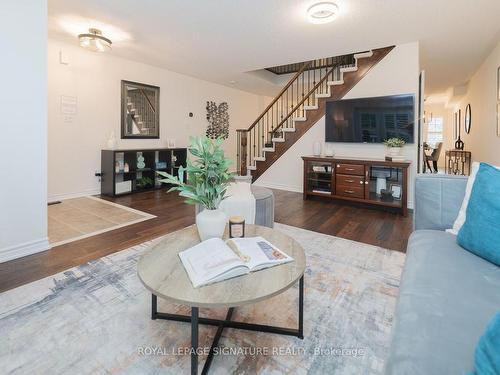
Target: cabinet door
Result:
[318, 178]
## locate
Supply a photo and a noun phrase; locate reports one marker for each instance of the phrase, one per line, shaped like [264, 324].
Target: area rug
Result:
[95, 319]
[78, 218]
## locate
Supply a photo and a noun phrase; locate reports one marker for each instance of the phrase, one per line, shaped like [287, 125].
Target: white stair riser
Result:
[335, 83]
[363, 55]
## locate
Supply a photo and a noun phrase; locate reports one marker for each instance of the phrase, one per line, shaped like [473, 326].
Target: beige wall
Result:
[483, 140]
[94, 79]
[396, 74]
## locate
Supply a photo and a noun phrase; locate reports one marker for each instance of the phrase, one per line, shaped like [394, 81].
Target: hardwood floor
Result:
[375, 227]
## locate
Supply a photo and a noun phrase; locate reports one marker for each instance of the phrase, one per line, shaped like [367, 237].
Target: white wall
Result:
[483, 140]
[397, 73]
[23, 139]
[94, 79]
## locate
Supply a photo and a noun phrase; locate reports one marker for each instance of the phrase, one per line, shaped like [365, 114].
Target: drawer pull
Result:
[351, 181]
[349, 191]
[350, 169]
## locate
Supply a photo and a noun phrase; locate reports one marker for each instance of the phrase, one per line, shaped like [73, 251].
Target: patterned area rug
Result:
[95, 319]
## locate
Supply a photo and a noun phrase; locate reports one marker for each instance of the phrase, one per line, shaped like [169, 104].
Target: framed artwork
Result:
[498, 83]
[498, 119]
[140, 111]
[396, 191]
[455, 124]
[467, 119]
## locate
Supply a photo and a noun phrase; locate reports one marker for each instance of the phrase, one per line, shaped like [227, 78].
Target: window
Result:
[435, 130]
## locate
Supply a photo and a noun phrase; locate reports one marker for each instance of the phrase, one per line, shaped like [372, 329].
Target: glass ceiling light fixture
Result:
[323, 12]
[94, 41]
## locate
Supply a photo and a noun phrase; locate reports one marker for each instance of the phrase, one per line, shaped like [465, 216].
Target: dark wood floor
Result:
[375, 227]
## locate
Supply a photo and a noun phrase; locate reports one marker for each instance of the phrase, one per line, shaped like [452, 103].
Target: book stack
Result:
[395, 158]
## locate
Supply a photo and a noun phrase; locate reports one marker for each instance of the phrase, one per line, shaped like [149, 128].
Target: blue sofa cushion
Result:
[480, 233]
[487, 358]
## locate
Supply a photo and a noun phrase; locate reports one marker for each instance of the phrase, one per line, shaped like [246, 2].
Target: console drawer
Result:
[351, 169]
[349, 180]
[351, 191]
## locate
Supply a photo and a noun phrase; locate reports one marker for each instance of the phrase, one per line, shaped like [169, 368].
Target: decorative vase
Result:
[112, 141]
[211, 223]
[394, 151]
[329, 150]
[140, 161]
[317, 148]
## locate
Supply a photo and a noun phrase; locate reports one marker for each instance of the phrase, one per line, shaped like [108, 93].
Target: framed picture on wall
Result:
[455, 125]
[498, 119]
[140, 110]
[498, 83]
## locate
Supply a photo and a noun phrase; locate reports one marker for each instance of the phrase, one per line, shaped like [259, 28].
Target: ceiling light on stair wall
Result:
[94, 41]
[322, 12]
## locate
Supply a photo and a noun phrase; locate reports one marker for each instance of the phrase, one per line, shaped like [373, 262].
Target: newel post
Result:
[242, 151]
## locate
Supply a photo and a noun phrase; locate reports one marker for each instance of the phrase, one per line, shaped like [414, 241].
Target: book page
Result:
[261, 252]
[209, 259]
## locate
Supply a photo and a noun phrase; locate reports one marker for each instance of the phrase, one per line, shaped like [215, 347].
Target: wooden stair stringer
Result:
[314, 115]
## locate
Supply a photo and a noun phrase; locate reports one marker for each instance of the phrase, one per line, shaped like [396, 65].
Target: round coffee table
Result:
[161, 271]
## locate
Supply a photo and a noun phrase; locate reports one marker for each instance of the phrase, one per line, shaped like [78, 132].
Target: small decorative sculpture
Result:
[140, 161]
[218, 120]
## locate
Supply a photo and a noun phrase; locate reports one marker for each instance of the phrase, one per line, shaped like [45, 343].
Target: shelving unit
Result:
[116, 179]
[356, 180]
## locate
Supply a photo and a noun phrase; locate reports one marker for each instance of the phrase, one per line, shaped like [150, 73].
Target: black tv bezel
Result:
[373, 97]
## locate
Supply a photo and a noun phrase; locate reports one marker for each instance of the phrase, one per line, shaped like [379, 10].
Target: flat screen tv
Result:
[370, 120]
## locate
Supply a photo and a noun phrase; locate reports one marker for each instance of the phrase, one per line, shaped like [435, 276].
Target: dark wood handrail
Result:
[149, 101]
[305, 97]
[304, 66]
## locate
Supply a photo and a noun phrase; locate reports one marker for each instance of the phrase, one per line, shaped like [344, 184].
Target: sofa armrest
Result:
[438, 199]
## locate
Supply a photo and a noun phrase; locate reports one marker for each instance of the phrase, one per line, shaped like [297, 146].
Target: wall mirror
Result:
[467, 119]
[140, 110]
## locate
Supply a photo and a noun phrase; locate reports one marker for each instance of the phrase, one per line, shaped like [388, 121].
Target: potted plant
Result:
[208, 177]
[394, 145]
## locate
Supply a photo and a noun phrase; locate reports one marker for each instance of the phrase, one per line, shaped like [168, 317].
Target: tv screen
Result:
[370, 120]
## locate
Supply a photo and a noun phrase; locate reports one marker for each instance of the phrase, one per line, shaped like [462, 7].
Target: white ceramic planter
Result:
[395, 151]
[211, 224]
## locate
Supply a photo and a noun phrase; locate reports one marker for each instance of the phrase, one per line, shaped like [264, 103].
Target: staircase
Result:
[298, 106]
[141, 113]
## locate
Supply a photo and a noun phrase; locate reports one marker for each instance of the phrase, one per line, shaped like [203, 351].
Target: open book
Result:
[214, 260]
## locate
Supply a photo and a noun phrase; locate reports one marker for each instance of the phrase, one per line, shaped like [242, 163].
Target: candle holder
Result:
[236, 227]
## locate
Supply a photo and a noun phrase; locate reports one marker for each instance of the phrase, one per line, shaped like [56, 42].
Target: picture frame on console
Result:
[396, 191]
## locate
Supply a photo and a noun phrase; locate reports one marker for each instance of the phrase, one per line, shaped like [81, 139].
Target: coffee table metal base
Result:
[195, 321]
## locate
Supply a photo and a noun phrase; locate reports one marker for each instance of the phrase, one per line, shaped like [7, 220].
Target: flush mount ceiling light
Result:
[94, 41]
[323, 12]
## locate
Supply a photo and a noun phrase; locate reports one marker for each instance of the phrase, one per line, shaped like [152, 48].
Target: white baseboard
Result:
[61, 197]
[24, 249]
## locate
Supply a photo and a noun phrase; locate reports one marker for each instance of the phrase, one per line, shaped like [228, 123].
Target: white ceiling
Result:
[222, 40]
